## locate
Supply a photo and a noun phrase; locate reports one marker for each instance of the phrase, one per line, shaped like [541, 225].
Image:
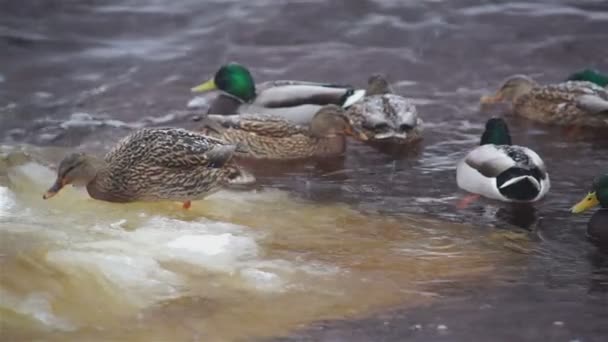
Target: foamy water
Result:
[71, 264]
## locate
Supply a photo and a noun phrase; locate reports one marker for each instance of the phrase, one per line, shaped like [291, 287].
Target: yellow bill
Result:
[209, 85]
[586, 203]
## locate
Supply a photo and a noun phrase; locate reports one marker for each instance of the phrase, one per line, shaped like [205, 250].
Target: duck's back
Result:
[559, 104]
[164, 163]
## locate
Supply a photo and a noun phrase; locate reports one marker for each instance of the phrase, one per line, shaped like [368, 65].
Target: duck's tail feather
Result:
[353, 96]
[514, 180]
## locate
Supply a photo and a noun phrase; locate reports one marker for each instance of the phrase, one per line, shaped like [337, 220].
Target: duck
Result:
[275, 138]
[597, 227]
[384, 116]
[572, 103]
[297, 101]
[499, 170]
[590, 75]
[154, 164]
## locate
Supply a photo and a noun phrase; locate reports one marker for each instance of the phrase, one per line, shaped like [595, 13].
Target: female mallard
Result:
[153, 164]
[502, 171]
[385, 117]
[576, 103]
[271, 137]
[293, 100]
[597, 228]
[590, 75]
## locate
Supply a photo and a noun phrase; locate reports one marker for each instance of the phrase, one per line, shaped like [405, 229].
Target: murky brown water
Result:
[317, 241]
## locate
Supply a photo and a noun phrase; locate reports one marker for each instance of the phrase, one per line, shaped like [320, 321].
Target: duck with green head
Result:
[296, 101]
[499, 170]
[590, 75]
[572, 103]
[597, 228]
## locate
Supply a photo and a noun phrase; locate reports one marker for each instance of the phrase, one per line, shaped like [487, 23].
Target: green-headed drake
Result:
[597, 228]
[572, 103]
[154, 164]
[590, 75]
[499, 170]
[274, 138]
[296, 101]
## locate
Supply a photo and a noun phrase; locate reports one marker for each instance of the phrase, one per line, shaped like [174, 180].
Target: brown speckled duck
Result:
[573, 103]
[154, 164]
[275, 138]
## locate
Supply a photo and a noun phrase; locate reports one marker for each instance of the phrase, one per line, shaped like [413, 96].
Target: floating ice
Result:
[37, 306]
[7, 201]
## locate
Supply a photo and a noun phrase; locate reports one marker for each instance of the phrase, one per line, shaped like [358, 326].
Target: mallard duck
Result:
[153, 164]
[385, 117]
[296, 101]
[502, 171]
[590, 75]
[271, 137]
[597, 228]
[575, 103]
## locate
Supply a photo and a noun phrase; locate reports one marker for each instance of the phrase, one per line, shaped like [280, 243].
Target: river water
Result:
[366, 248]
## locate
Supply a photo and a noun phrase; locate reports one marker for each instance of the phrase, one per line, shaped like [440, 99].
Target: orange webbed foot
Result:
[467, 200]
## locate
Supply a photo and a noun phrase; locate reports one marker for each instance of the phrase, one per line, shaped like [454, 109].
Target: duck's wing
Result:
[489, 160]
[593, 104]
[170, 148]
[283, 94]
[261, 87]
[263, 125]
[526, 158]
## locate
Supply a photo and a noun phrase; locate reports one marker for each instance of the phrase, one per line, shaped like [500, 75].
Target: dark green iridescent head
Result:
[233, 79]
[590, 75]
[236, 80]
[600, 186]
[497, 133]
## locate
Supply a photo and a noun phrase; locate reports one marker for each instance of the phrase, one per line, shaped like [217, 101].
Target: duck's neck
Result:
[602, 196]
[496, 137]
[331, 146]
[103, 186]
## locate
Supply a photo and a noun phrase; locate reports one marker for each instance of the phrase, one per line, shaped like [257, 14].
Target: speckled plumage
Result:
[271, 137]
[164, 164]
[559, 104]
[572, 103]
[384, 116]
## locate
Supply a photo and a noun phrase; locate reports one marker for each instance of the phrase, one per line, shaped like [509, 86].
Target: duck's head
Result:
[331, 121]
[232, 78]
[590, 75]
[77, 169]
[511, 89]
[598, 195]
[377, 85]
[496, 132]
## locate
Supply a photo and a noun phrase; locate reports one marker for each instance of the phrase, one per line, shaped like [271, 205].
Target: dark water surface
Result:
[83, 73]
